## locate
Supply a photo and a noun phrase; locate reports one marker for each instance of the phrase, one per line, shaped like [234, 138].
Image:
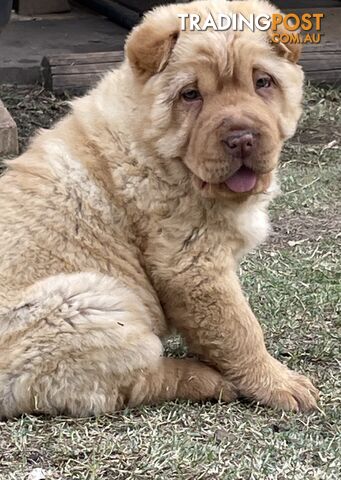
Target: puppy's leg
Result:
[179, 378]
[219, 326]
[83, 344]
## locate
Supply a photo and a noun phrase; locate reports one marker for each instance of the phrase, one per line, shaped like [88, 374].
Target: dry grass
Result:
[293, 283]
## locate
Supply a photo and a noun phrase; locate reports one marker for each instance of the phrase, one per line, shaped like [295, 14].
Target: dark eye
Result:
[263, 82]
[191, 95]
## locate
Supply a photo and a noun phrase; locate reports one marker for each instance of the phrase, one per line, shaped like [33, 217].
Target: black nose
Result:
[240, 143]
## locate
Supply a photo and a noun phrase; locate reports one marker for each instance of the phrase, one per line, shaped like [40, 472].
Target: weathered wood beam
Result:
[77, 72]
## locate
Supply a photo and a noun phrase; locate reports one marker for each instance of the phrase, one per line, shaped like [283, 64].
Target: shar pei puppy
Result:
[127, 220]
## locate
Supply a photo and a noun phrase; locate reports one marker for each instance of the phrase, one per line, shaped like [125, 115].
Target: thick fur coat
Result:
[119, 225]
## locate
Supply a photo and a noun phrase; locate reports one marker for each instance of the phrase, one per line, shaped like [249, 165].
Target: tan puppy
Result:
[129, 217]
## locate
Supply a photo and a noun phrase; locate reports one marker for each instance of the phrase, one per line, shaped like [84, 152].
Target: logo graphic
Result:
[303, 28]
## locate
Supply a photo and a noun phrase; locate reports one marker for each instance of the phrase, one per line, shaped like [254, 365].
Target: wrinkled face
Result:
[222, 102]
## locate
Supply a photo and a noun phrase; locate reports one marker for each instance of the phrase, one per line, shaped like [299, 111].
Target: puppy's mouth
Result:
[243, 180]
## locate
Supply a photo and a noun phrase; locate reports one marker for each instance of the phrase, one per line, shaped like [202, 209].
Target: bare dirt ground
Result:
[293, 283]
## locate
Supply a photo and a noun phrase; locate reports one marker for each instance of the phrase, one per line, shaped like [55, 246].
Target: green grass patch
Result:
[293, 283]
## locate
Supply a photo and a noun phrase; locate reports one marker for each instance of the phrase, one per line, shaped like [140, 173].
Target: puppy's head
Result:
[222, 102]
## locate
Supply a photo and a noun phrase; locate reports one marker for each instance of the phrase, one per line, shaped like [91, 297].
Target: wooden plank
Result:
[86, 58]
[324, 76]
[79, 69]
[77, 72]
[330, 62]
[326, 54]
[73, 82]
[322, 62]
[334, 46]
[8, 133]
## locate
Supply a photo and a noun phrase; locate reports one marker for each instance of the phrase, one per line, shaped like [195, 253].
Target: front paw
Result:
[293, 392]
[276, 386]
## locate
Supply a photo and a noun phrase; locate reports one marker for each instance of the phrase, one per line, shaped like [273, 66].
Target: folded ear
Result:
[150, 44]
[292, 49]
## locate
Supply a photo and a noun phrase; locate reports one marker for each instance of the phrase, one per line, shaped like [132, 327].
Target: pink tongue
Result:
[243, 180]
